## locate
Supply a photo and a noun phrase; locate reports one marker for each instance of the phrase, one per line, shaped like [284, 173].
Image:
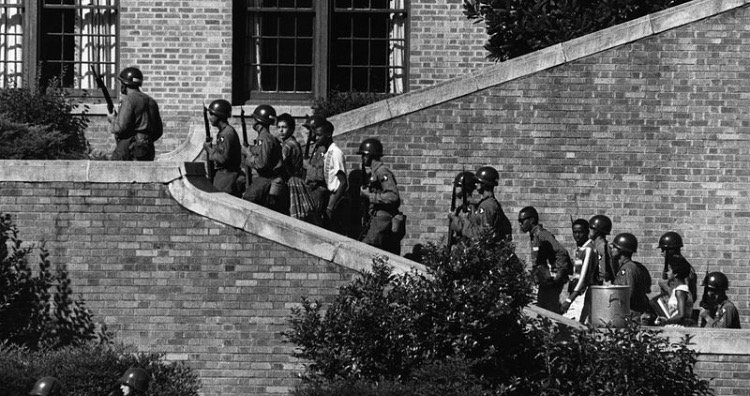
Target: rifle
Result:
[105, 92]
[704, 304]
[207, 126]
[248, 172]
[310, 135]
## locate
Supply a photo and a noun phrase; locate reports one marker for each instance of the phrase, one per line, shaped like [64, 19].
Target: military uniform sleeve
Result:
[155, 125]
[124, 121]
[730, 319]
[219, 152]
[479, 221]
[388, 193]
[260, 153]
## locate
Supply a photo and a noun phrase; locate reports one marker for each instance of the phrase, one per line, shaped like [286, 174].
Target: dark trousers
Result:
[258, 191]
[379, 232]
[133, 149]
[226, 181]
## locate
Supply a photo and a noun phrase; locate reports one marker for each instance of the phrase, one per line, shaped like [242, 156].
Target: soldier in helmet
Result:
[326, 176]
[631, 273]
[488, 214]
[599, 227]
[134, 382]
[551, 262]
[264, 159]
[381, 192]
[137, 124]
[46, 386]
[225, 151]
[671, 244]
[717, 311]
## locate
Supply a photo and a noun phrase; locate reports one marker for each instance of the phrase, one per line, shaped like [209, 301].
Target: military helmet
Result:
[601, 223]
[46, 386]
[220, 108]
[313, 122]
[528, 213]
[265, 114]
[136, 378]
[131, 77]
[626, 242]
[488, 175]
[670, 240]
[372, 147]
[465, 178]
[716, 280]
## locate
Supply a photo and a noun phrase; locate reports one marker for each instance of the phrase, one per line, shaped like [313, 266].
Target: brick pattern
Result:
[728, 374]
[167, 280]
[649, 133]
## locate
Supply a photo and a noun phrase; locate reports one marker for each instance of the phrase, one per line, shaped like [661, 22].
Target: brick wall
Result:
[650, 133]
[168, 280]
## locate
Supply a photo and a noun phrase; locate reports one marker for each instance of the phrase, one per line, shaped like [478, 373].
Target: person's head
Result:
[286, 125]
[580, 231]
[219, 110]
[599, 225]
[528, 217]
[46, 386]
[313, 123]
[624, 245]
[678, 268]
[487, 179]
[716, 284]
[464, 183]
[264, 116]
[134, 381]
[324, 133]
[670, 243]
[370, 149]
[130, 77]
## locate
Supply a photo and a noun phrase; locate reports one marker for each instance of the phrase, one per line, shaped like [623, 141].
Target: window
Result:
[71, 36]
[300, 49]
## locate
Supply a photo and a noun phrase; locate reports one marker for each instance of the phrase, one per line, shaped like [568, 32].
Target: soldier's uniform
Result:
[265, 162]
[384, 204]
[722, 316]
[316, 180]
[488, 214]
[634, 274]
[136, 126]
[552, 267]
[226, 154]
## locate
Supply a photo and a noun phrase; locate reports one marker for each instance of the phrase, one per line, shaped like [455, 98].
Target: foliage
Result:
[39, 310]
[340, 102]
[517, 27]
[384, 326]
[38, 123]
[460, 329]
[91, 370]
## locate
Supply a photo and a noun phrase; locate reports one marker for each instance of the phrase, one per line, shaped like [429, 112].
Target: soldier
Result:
[264, 158]
[300, 204]
[381, 192]
[631, 273]
[599, 227]
[488, 214]
[550, 261]
[326, 176]
[671, 244]
[46, 386]
[134, 382]
[226, 152]
[464, 185]
[137, 125]
[717, 311]
[585, 270]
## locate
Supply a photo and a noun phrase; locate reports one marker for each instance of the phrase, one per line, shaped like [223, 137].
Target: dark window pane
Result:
[287, 25]
[268, 78]
[340, 79]
[361, 3]
[378, 80]
[305, 25]
[286, 3]
[304, 3]
[304, 79]
[361, 53]
[342, 26]
[379, 4]
[380, 25]
[304, 52]
[361, 26]
[268, 52]
[342, 53]
[286, 79]
[286, 51]
[379, 52]
[269, 3]
[269, 25]
[359, 80]
[343, 3]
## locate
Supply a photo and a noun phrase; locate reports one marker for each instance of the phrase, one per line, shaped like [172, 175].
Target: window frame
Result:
[322, 61]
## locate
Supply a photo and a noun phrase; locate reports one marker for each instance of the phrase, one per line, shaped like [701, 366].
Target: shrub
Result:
[39, 310]
[91, 370]
[38, 124]
[517, 27]
[339, 102]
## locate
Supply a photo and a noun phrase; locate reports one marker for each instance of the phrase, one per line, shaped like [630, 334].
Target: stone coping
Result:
[88, 171]
[531, 63]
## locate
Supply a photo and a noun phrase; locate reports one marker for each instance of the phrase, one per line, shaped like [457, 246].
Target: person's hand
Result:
[111, 116]
[565, 306]
[364, 192]
[660, 321]
[453, 222]
[207, 145]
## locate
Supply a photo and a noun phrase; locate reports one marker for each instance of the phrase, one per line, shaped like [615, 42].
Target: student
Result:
[680, 305]
[585, 268]
[718, 312]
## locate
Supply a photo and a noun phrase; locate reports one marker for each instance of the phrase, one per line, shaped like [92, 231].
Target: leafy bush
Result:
[460, 329]
[39, 311]
[341, 102]
[517, 27]
[38, 124]
[385, 326]
[91, 370]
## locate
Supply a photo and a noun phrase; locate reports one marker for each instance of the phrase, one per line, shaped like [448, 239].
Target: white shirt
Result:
[333, 163]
